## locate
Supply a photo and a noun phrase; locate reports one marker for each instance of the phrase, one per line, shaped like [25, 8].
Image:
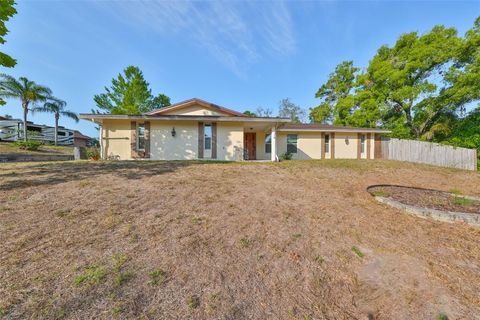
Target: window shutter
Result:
[147, 139]
[322, 144]
[368, 145]
[200, 140]
[332, 145]
[214, 140]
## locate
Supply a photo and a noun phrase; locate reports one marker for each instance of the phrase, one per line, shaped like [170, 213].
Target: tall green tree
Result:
[28, 92]
[7, 10]
[416, 88]
[288, 109]
[129, 94]
[57, 107]
[336, 96]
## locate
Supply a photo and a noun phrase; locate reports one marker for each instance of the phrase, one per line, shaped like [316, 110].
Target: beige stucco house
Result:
[196, 129]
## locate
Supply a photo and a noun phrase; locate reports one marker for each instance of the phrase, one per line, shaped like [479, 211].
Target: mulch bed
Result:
[425, 198]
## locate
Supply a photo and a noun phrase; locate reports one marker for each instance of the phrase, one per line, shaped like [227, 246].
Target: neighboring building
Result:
[196, 129]
[12, 130]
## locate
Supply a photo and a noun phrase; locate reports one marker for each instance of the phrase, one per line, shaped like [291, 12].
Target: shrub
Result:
[93, 154]
[286, 156]
[27, 145]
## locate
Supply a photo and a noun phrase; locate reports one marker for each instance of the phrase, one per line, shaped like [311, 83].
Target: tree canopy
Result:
[129, 93]
[7, 10]
[417, 88]
[288, 109]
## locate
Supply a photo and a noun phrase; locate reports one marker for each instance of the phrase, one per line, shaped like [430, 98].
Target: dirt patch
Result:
[427, 198]
[194, 240]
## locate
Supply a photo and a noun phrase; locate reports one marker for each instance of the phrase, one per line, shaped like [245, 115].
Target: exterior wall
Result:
[346, 145]
[309, 145]
[195, 111]
[230, 141]
[184, 146]
[116, 139]
[230, 135]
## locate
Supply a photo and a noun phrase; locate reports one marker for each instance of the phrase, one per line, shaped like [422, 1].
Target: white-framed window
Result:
[327, 143]
[207, 140]
[207, 130]
[292, 143]
[141, 136]
[362, 143]
[268, 143]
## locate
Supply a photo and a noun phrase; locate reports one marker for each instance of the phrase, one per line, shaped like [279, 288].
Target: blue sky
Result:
[241, 55]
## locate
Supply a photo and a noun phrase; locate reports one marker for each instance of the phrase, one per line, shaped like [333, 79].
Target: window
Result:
[208, 136]
[141, 136]
[362, 142]
[268, 143]
[327, 143]
[291, 143]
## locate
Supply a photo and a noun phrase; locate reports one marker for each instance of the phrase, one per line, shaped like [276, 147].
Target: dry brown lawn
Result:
[189, 240]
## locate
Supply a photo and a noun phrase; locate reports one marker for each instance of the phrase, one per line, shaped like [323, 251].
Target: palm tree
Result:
[57, 107]
[26, 90]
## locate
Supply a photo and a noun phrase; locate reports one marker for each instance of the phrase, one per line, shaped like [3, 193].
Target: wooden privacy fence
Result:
[429, 153]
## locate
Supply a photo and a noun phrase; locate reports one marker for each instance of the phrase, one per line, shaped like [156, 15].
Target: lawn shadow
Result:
[61, 172]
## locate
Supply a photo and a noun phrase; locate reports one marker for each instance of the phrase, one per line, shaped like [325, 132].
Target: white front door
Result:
[207, 142]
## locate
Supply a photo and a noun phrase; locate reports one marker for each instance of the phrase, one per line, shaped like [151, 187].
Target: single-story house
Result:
[197, 129]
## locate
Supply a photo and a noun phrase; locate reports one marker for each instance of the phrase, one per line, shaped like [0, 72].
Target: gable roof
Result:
[193, 102]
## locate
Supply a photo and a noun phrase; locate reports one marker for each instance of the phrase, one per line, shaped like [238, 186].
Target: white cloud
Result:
[237, 34]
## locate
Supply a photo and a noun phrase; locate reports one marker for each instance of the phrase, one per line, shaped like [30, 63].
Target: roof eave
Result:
[98, 118]
[334, 130]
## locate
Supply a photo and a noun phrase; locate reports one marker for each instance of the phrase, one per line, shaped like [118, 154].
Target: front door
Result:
[250, 146]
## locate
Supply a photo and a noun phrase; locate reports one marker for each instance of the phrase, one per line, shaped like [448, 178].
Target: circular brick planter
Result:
[446, 216]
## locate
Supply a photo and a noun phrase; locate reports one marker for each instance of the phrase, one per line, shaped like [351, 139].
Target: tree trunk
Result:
[56, 129]
[410, 123]
[25, 112]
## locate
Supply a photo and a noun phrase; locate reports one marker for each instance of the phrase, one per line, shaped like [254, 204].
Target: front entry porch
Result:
[259, 142]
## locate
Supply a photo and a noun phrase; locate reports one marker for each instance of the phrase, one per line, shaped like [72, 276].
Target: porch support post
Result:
[274, 144]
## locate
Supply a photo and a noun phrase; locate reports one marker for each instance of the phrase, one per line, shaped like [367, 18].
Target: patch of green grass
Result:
[464, 202]
[441, 316]
[60, 313]
[296, 236]
[157, 276]
[116, 310]
[118, 261]
[92, 274]
[123, 277]
[244, 242]
[381, 193]
[358, 252]
[196, 220]
[61, 213]
[2, 311]
[319, 259]
[193, 302]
